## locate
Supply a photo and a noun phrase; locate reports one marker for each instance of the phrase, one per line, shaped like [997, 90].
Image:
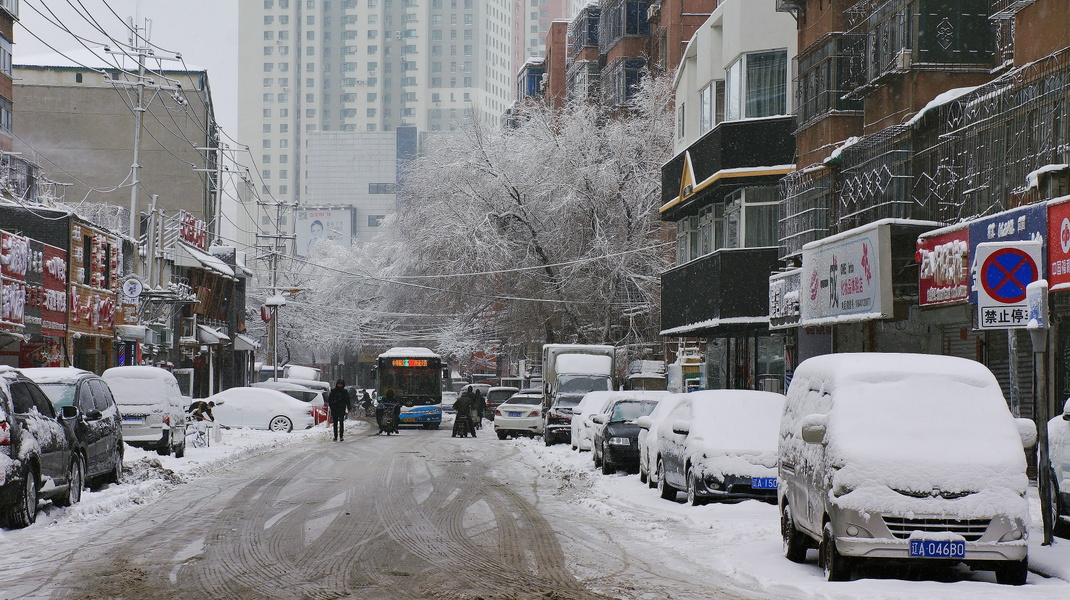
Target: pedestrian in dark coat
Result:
[338, 404]
[479, 406]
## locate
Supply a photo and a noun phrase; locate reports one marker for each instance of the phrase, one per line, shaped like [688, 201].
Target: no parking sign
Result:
[1003, 272]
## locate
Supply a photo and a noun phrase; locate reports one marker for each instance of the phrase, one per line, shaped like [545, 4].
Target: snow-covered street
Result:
[424, 515]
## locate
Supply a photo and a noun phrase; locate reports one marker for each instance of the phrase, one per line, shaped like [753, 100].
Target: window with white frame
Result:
[756, 85]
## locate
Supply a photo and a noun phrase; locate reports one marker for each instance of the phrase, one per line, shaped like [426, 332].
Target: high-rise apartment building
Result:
[531, 26]
[364, 66]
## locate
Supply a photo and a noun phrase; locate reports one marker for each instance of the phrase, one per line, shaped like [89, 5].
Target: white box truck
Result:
[570, 371]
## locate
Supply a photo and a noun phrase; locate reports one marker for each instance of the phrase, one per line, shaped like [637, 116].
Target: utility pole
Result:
[273, 248]
[139, 37]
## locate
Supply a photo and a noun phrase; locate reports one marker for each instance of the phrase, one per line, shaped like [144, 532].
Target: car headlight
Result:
[619, 441]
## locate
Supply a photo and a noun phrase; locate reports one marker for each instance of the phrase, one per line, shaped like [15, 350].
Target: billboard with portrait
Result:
[314, 224]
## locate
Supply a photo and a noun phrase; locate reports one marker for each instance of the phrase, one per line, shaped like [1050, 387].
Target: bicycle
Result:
[198, 433]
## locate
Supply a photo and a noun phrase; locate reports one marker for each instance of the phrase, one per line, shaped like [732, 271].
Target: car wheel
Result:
[281, 423]
[435, 425]
[75, 483]
[180, 451]
[546, 438]
[1013, 572]
[837, 567]
[642, 474]
[502, 435]
[667, 491]
[596, 457]
[692, 489]
[116, 473]
[608, 468]
[24, 513]
[795, 542]
[165, 447]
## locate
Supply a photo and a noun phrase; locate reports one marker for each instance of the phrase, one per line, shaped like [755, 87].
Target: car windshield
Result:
[61, 394]
[582, 384]
[570, 401]
[499, 396]
[303, 396]
[523, 399]
[631, 410]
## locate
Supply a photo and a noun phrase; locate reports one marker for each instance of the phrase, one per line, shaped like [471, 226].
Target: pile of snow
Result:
[147, 475]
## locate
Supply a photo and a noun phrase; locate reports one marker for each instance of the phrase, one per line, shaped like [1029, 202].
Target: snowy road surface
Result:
[423, 515]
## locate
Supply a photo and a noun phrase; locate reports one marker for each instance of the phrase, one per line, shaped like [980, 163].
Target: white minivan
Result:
[152, 406]
[903, 456]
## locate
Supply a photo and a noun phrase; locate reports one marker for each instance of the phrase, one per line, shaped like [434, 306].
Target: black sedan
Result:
[615, 444]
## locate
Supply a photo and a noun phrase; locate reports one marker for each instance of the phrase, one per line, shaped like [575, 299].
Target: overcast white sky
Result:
[205, 32]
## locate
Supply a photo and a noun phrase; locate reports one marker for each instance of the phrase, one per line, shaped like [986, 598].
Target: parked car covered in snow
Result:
[261, 408]
[580, 427]
[98, 426]
[903, 456]
[315, 397]
[1059, 453]
[615, 434]
[648, 438]
[520, 414]
[38, 450]
[720, 444]
[152, 406]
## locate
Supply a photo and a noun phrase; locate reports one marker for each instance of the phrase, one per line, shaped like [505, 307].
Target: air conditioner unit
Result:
[652, 12]
[903, 60]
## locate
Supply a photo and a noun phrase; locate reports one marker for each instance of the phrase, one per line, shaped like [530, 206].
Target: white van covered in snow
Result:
[903, 456]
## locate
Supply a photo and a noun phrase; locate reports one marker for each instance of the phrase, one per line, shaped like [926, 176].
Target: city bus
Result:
[415, 376]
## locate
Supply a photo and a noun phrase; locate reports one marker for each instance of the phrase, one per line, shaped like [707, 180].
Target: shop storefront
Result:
[94, 274]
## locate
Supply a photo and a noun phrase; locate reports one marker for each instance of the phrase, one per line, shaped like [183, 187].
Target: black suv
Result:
[99, 426]
[42, 460]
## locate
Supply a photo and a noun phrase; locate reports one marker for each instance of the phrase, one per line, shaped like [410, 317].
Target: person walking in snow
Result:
[337, 404]
[462, 421]
[479, 406]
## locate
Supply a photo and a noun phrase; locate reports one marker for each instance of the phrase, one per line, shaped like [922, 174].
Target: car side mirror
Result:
[94, 415]
[600, 419]
[643, 422]
[813, 428]
[681, 427]
[1066, 416]
[1027, 429]
[68, 412]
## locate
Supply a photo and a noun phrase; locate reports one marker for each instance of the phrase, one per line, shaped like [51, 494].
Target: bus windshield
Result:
[409, 381]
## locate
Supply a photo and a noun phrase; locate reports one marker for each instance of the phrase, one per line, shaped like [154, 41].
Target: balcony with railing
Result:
[896, 36]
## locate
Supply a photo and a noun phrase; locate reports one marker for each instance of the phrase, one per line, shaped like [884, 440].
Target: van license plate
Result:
[763, 483]
[944, 549]
[134, 420]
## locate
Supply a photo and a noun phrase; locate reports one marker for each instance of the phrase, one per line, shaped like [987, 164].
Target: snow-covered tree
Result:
[546, 232]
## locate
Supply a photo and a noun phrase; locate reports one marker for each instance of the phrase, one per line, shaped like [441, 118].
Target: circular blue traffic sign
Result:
[1006, 273]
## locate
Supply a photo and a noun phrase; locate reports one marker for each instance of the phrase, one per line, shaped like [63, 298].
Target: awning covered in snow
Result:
[209, 335]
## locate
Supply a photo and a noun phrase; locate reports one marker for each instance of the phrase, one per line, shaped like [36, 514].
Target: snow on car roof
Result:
[738, 419]
[406, 352]
[252, 393]
[873, 367]
[54, 374]
[916, 422]
[138, 372]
